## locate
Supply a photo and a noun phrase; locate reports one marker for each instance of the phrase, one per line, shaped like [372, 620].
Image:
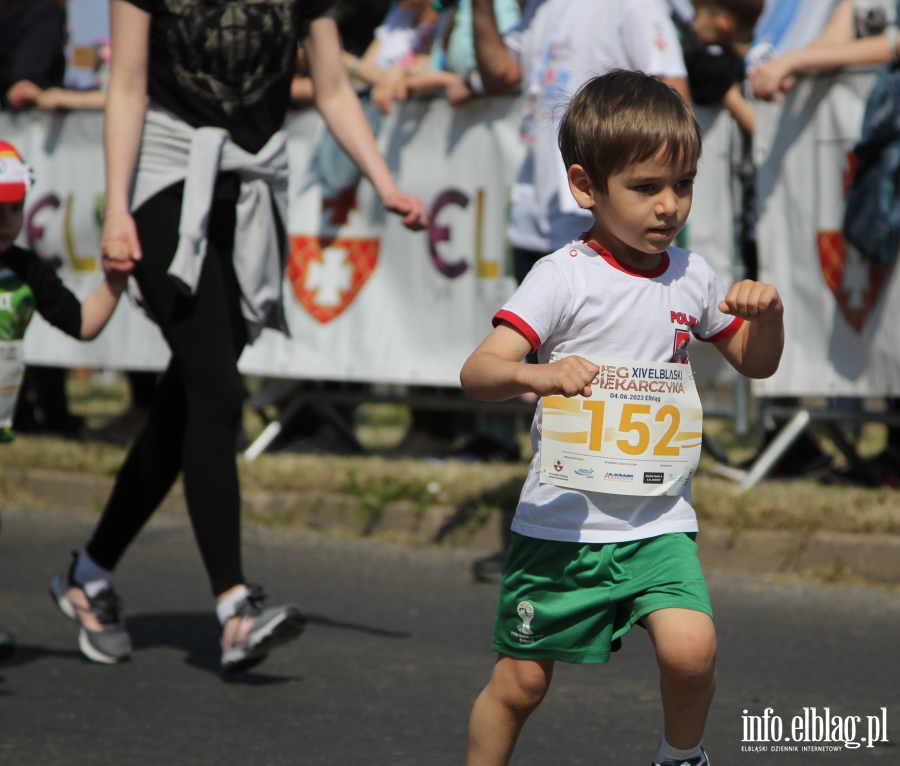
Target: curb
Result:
[874, 557]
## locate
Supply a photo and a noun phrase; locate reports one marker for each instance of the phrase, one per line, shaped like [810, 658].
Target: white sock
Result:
[92, 577]
[226, 607]
[668, 753]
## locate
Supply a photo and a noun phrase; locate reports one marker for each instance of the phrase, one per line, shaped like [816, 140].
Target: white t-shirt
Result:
[560, 46]
[581, 300]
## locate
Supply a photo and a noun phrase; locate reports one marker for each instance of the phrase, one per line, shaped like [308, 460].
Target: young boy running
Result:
[28, 284]
[585, 566]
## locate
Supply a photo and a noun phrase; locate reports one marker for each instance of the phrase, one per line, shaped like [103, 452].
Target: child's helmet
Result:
[16, 176]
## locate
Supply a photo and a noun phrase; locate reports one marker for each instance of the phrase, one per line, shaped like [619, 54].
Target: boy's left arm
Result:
[99, 306]
[755, 349]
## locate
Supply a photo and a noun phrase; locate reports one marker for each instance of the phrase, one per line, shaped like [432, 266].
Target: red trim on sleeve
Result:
[656, 271]
[520, 324]
[724, 334]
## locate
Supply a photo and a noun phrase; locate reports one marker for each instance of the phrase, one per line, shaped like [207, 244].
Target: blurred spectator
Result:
[87, 60]
[787, 25]
[32, 35]
[859, 32]
[559, 45]
[452, 65]
[401, 45]
[715, 42]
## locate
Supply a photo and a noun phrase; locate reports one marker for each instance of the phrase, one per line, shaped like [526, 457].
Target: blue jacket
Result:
[872, 216]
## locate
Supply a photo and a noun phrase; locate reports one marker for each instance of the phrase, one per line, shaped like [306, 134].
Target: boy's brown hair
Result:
[622, 117]
[744, 13]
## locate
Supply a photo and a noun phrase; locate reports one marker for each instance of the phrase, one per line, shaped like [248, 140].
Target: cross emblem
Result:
[331, 278]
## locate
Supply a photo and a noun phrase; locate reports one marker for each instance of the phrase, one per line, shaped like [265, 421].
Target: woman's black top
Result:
[32, 36]
[227, 64]
[52, 299]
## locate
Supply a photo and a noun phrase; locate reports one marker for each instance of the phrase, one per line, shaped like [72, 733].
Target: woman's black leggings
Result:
[196, 409]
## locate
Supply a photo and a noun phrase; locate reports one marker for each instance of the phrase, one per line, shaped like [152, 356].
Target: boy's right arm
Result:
[495, 371]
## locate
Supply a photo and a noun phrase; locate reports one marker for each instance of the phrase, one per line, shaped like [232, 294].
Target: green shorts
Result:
[569, 601]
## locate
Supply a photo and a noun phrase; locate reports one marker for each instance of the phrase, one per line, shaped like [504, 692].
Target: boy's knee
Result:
[688, 651]
[521, 684]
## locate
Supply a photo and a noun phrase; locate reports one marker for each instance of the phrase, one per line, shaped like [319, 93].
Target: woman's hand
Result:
[411, 208]
[23, 95]
[774, 76]
[120, 246]
[391, 86]
[457, 92]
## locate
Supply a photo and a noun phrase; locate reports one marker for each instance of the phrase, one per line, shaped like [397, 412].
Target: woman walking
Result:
[196, 182]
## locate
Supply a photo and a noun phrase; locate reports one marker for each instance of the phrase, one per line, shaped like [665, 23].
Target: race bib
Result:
[638, 434]
[12, 368]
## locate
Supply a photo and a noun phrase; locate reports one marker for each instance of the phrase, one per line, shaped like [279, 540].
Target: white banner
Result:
[840, 340]
[365, 299]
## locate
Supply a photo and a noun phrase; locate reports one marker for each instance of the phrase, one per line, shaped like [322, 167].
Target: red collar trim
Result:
[656, 271]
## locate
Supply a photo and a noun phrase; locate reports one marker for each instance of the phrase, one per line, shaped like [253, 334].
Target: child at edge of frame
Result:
[584, 567]
[27, 284]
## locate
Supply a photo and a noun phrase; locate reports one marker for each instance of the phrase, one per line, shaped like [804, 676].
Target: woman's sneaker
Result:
[697, 760]
[102, 637]
[252, 631]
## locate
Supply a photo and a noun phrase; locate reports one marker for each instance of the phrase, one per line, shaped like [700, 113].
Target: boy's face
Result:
[11, 216]
[645, 207]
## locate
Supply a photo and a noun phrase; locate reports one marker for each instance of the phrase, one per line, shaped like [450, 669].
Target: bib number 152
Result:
[641, 428]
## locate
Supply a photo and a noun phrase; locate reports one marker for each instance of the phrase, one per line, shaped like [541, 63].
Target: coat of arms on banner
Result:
[855, 281]
[328, 272]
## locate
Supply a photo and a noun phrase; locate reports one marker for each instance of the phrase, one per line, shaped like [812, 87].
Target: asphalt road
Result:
[397, 648]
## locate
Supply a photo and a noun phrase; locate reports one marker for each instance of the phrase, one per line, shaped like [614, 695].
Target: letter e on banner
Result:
[438, 233]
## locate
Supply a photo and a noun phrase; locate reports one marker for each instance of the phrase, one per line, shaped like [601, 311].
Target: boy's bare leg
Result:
[515, 690]
[685, 642]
